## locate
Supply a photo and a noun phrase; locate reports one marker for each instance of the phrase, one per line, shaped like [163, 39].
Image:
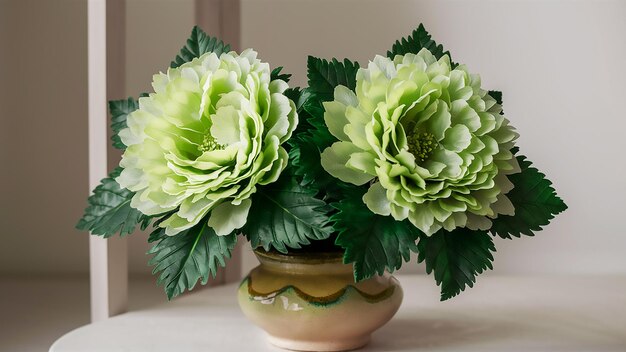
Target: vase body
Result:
[309, 302]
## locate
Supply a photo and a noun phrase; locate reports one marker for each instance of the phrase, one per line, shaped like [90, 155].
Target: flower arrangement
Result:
[409, 154]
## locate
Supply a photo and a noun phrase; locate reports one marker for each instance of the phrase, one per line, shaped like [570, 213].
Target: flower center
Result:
[421, 145]
[209, 144]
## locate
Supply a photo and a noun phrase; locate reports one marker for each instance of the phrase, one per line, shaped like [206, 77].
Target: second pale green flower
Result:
[202, 142]
[433, 145]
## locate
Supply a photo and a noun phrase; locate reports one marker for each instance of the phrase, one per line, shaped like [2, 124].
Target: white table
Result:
[499, 314]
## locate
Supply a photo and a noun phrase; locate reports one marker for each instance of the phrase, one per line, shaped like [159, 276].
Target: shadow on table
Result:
[406, 334]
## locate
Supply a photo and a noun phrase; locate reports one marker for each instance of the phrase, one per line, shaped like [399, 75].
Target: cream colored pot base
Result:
[309, 302]
[321, 346]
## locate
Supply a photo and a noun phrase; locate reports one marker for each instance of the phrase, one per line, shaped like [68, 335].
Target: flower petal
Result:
[226, 217]
[457, 138]
[362, 161]
[376, 200]
[335, 119]
[225, 128]
[334, 160]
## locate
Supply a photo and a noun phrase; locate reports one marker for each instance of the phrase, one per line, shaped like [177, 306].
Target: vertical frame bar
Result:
[230, 23]
[108, 262]
[115, 65]
[207, 16]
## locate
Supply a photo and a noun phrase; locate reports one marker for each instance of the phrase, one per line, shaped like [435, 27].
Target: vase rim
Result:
[300, 257]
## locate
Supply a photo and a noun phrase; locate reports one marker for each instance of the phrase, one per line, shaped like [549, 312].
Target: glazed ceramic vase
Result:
[309, 301]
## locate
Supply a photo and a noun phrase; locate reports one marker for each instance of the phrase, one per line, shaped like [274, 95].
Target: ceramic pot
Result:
[309, 301]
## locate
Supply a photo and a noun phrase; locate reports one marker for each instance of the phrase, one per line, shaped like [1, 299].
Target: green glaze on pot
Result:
[309, 301]
[319, 301]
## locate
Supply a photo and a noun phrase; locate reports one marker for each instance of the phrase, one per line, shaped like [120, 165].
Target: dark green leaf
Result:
[313, 108]
[119, 110]
[145, 221]
[188, 256]
[293, 94]
[312, 135]
[299, 97]
[535, 201]
[418, 40]
[309, 141]
[305, 96]
[497, 95]
[302, 98]
[306, 147]
[372, 242]
[109, 210]
[286, 215]
[456, 258]
[310, 112]
[159, 219]
[199, 43]
[324, 76]
[277, 75]
[305, 156]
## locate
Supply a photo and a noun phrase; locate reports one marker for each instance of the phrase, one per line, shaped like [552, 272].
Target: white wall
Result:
[560, 65]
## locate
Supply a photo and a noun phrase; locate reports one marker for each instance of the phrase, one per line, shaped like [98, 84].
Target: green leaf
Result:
[372, 242]
[188, 256]
[535, 201]
[199, 43]
[497, 95]
[456, 258]
[311, 106]
[277, 75]
[309, 141]
[293, 94]
[296, 95]
[313, 136]
[302, 98]
[418, 40]
[324, 76]
[305, 157]
[310, 111]
[285, 215]
[120, 109]
[109, 210]
[307, 144]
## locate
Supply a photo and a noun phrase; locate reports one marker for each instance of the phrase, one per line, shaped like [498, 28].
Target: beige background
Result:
[559, 63]
[43, 131]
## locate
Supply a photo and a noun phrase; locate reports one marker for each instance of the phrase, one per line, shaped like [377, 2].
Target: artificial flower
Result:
[199, 145]
[432, 145]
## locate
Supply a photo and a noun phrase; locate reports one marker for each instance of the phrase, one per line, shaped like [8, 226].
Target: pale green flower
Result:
[211, 131]
[431, 143]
